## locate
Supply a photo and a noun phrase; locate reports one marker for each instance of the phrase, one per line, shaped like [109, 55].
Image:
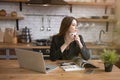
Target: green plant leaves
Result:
[109, 56]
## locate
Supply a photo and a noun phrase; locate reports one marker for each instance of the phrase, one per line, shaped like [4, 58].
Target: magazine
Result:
[70, 66]
[83, 63]
[76, 64]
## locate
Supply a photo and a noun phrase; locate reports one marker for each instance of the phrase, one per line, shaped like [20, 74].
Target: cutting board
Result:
[8, 35]
[1, 35]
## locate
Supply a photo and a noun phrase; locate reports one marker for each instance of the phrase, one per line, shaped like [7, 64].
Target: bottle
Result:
[1, 35]
[14, 40]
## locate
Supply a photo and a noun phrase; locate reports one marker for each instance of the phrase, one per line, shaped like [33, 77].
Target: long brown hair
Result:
[65, 24]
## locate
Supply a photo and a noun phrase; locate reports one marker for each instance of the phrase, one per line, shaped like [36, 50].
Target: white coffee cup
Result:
[73, 33]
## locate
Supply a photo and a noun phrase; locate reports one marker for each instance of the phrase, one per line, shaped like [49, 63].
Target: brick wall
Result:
[33, 20]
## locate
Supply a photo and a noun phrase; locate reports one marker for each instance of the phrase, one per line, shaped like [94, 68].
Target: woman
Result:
[67, 44]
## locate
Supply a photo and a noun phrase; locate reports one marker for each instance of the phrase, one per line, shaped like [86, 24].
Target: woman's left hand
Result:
[77, 39]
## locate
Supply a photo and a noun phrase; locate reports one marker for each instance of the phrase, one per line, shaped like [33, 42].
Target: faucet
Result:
[101, 31]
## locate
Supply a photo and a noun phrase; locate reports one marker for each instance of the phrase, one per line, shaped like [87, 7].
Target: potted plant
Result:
[109, 57]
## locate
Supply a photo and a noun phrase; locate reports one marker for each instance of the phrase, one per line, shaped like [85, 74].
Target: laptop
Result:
[33, 60]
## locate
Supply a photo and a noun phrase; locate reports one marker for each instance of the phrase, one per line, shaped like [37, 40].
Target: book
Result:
[76, 64]
[70, 66]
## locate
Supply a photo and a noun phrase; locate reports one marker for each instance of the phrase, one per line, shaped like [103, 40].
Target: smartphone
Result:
[89, 71]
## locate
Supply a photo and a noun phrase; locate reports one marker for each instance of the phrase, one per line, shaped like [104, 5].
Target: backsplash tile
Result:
[33, 20]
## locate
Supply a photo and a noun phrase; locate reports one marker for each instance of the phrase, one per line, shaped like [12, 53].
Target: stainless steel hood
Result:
[49, 2]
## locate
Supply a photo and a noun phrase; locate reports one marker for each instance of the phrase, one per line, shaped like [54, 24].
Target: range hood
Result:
[48, 2]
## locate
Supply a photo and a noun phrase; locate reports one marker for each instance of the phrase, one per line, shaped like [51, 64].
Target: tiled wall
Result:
[33, 20]
[117, 16]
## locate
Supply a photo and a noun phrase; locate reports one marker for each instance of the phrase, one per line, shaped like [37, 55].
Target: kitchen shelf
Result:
[95, 20]
[12, 18]
[107, 21]
[91, 3]
[101, 4]
[18, 1]
[13, 0]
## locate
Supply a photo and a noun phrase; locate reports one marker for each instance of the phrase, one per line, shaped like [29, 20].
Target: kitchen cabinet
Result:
[12, 18]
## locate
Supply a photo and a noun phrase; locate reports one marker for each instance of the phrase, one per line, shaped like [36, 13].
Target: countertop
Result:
[94, 46]
[88, 44]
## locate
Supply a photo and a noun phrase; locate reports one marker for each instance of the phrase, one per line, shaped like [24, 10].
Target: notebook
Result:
[33, 60]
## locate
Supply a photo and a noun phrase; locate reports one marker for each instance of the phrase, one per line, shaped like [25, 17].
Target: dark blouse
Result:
[73, 51]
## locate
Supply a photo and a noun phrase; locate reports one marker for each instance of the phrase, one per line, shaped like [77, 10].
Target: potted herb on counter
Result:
[109, 57]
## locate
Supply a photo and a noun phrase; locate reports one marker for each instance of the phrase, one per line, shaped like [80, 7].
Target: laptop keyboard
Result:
[49, 67]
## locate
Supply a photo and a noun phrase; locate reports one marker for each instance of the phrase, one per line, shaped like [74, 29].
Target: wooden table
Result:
[10, 70]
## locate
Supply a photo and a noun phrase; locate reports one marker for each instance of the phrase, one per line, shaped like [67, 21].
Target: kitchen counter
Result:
[21, 45]
[8, 46]
[98, 48]
[95, 46]
[27, 46]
